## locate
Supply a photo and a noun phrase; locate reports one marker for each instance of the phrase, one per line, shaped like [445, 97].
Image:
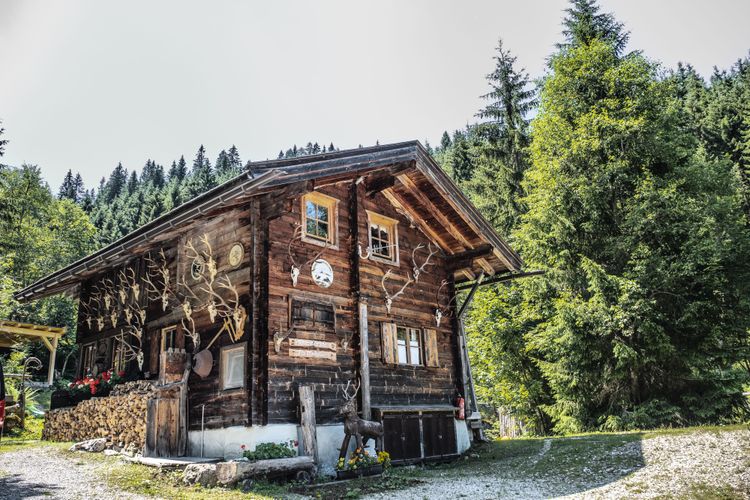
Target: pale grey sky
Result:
[85, 84]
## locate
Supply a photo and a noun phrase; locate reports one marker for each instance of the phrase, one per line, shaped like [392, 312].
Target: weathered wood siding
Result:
[286, 373]
[393, 384]
[390, 383]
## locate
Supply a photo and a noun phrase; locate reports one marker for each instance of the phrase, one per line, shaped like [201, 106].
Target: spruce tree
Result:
[502, 157]
[584, 24]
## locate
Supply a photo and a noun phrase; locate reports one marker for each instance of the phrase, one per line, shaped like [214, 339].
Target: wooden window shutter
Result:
[430, 348]
[388, 334]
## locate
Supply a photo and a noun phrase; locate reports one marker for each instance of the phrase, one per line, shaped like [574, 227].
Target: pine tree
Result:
[201, 177]
[625, 320]
[281, 154]
[445, 141]
[584, 23]
[115, 184]
[502, 157]
[132, 182]
[178, 170]
[67, 189]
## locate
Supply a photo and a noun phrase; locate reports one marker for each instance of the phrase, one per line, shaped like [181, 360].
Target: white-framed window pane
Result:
[414, 350]
[401, 346]
[233, 368]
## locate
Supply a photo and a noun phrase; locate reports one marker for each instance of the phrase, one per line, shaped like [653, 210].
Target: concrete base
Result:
[226, 443]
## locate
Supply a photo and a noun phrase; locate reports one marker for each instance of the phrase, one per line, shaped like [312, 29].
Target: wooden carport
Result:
[12, 333]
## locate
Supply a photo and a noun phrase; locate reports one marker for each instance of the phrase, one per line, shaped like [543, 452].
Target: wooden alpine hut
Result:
[324, 271]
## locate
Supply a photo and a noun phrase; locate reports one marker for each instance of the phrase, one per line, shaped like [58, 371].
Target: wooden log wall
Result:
[222, 408]
[415, 308]
[390, 384]
[285, 372]
[230, 407]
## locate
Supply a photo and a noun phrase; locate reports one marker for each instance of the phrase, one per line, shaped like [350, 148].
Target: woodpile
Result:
[119, 417]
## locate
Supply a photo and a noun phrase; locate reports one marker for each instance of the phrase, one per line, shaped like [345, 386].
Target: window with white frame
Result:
[408, 346]
[232, 374]
[383, 237]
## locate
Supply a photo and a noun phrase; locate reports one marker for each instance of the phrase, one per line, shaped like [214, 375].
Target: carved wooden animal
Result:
[361, 429]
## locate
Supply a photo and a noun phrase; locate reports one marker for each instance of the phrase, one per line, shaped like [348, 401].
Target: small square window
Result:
[319, 218]
[233, 366]
[383, 238]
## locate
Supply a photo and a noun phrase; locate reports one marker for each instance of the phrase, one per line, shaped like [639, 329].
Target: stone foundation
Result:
[119, 417]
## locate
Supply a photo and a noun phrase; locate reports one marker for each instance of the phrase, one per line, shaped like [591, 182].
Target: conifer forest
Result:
[626, 182]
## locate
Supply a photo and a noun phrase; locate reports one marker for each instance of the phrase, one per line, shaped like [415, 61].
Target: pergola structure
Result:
[12, 333]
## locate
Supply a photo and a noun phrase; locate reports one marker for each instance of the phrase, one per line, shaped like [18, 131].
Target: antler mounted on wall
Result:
[389, 298]
[416, 271]
[295, 268]
[419, 269]
[158, 271]
[279, 336]
[443, 311]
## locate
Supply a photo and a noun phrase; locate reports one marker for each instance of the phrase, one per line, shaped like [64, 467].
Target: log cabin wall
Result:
[304, 363]
[224, 230]
[400, 384]
[391, 384]
[229, 407]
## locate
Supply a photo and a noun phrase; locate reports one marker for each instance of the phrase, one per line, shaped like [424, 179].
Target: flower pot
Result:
[372, 470]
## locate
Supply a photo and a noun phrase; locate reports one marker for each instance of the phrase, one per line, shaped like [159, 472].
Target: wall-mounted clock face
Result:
[322, 273]
[236, 253]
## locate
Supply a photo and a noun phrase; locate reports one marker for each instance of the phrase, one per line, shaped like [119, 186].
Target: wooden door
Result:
[439, 434]
[401, 436]
[162, 428]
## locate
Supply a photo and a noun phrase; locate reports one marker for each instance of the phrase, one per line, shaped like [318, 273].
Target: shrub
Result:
[266, 451]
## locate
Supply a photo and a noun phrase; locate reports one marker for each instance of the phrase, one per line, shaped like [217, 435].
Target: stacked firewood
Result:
[120, 417]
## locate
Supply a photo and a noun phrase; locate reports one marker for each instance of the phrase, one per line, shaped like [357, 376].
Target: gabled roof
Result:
[422, 192]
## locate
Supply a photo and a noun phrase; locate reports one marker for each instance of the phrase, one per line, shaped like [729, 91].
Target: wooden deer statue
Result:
[361, 429]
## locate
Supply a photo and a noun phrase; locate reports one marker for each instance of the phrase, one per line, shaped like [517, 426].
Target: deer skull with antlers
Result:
[295, 268]
[389, 298]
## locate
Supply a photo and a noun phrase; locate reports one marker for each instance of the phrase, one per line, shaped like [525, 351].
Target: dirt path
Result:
[699, 464]
[45, 472]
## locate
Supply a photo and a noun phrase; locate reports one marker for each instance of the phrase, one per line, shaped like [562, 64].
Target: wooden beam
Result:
[364, 352]
[52, 359]
[375, 185]
[14, 330]
[466, 258]
[486, 266]
[401, 204]
[417, 193]
[307, 421]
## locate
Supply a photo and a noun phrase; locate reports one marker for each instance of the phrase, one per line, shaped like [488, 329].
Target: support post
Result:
[468, 378]
[364, 362]
[307, 421]
[52, 359]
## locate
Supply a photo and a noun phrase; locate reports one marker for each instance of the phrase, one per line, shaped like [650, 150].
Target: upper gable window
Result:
[383, 237]
[319, 218]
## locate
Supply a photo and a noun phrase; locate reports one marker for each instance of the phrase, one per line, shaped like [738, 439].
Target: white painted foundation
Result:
[227, 442]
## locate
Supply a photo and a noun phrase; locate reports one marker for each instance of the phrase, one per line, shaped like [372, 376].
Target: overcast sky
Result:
[85, 84]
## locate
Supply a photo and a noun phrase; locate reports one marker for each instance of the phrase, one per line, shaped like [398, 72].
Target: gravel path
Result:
[43, 472]
[700, 464]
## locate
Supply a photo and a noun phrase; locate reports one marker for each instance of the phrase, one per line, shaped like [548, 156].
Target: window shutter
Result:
[388, 334]
[430, 348]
